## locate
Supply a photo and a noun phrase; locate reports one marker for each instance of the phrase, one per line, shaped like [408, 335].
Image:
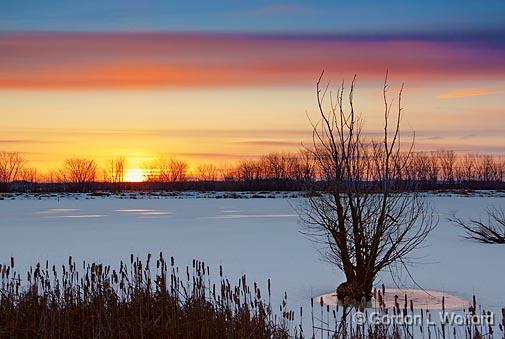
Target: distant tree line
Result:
[273, 171]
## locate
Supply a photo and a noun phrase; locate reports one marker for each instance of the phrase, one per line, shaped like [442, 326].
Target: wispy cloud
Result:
[269, 143]
[468, 92]
[179, 60]
[159, 133]
[22, 141]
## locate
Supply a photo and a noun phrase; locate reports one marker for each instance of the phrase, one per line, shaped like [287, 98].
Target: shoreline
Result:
[260, 194]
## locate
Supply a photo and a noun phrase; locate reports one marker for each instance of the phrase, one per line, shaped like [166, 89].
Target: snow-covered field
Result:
[259, 237]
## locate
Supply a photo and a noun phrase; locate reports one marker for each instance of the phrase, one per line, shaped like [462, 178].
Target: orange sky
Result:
[223, 97]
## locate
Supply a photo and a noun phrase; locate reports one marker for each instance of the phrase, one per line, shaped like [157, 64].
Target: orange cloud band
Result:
[143, 60]
[469, 92]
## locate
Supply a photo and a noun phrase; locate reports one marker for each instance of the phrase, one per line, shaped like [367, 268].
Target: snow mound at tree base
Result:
[421, 299]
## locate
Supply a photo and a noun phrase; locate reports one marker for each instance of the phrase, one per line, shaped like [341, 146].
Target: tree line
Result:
[276, 170]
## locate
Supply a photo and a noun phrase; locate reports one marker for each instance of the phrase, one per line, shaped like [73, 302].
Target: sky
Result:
[222, 81]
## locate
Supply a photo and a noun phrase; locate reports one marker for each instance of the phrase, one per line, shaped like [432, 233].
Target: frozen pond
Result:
[260, 237]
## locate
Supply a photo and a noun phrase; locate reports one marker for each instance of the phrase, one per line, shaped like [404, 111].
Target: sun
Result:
[134, 175]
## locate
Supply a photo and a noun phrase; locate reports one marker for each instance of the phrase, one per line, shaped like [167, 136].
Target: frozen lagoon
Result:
[258, 237]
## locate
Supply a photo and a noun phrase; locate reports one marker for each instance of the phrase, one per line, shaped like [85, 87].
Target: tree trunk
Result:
[353, 291]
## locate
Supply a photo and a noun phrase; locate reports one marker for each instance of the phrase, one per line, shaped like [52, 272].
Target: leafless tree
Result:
[52, 176]
[466, 167]
[228, 172]
[249, 170]
[114, 171]
[365, 220]
[29, 174]
[422, 166]
[491, 231]
[488, 168]
[304, 168]
[447, 160]
[207, 172]
[434, 167]
[78, 171]
[11, 166]
[170, 169]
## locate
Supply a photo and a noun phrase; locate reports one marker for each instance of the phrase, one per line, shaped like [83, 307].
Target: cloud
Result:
[22, 141]
[468, 92]
[255, 134]
[462, 148]
[38, 61]
[269, 143]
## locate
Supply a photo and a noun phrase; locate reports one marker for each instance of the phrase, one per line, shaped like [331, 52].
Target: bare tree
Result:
[488, 168]
[78, 171]
[466, 168]
[249, 170]
[434, 167]
[28, 174]
[491, 231]
[115, 170]
[207, 172]
[422, 166]
[52, 176]
[365, 219]
[447, 160]
[275, 165]
[228, 172]
[170, 169]
[11, 166]
[304, 169]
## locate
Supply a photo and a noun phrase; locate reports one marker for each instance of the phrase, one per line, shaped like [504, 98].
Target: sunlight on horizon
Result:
[135, 175]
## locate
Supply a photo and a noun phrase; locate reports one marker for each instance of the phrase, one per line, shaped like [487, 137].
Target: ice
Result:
[259, 237]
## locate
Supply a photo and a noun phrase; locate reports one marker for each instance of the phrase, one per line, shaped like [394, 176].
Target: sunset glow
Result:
[213, 94]
[134, 175]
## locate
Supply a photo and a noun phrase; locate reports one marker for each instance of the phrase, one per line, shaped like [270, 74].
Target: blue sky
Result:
[346, 17]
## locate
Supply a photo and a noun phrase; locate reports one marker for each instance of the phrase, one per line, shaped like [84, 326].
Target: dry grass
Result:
[133, 302]
[143, 299]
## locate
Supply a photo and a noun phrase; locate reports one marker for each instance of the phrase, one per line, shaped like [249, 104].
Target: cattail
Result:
[362, 304]
[110, 292]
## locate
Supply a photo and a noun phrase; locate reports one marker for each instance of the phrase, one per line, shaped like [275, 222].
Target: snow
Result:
[259, 237]
[421, 299]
